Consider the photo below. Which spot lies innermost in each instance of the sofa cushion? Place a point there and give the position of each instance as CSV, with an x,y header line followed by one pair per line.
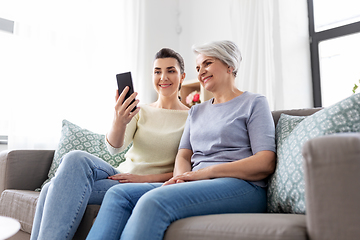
x,y
239,226
74,137
286,192
20,205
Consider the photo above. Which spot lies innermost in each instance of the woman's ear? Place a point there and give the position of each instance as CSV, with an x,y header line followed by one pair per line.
x,y
182,77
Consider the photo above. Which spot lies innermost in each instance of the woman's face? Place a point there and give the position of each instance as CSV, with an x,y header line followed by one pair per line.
x,y
167,76
211,72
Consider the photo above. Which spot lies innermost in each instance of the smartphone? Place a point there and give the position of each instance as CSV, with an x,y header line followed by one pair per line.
x,y
123,80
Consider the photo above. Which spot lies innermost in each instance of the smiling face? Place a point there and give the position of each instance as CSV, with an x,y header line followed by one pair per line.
x,y
213,74
167,76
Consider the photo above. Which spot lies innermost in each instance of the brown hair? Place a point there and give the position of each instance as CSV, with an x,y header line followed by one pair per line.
x,y
169,53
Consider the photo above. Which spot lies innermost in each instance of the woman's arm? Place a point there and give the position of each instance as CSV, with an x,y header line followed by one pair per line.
x,y
183,161
253,168
182,165
134,178
122,117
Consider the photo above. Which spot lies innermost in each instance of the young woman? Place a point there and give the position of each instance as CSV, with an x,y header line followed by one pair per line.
x,y
154,129
226,151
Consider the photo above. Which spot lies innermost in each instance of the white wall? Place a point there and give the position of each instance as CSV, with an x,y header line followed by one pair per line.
x,y
157,29
3,147
208,20
202,21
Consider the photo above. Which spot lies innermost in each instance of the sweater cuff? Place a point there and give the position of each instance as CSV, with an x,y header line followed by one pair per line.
x,y
112,150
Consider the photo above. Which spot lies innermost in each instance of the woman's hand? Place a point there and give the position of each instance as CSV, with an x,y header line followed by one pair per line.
x,y
123,114
129,178
201,174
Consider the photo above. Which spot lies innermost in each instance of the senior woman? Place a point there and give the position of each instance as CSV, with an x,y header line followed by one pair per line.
x,y
226,152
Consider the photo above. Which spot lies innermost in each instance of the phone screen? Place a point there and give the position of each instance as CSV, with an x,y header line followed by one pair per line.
x,y
123,80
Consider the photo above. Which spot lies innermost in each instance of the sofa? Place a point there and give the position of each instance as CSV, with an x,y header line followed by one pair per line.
x,y
331,166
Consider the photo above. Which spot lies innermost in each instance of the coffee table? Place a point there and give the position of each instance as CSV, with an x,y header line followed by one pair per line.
x,y
8,227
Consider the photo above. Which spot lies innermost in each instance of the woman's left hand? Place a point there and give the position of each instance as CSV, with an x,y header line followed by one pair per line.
x,y
201,174
129,178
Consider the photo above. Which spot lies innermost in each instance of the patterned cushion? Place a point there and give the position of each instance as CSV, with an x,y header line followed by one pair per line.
x,y
286,192
74,137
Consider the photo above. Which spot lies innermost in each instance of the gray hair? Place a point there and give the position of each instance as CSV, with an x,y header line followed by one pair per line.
x,y
226,51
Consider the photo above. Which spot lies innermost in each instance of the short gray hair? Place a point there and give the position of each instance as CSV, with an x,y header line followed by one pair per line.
x,y
226,51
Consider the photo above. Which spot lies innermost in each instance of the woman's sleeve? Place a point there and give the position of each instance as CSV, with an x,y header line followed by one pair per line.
x,y
185,138
261,126
129,136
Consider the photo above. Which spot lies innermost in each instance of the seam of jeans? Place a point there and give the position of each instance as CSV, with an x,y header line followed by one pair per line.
x,y
77,211
98,167
127,205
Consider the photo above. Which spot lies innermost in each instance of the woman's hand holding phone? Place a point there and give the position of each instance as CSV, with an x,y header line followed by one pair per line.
x,y
123,107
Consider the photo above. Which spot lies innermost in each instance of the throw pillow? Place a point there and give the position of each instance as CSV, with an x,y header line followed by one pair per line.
x,y
286,192
284,128
74,137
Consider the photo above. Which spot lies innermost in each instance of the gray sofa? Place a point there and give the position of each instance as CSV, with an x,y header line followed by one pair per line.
x,y
331,166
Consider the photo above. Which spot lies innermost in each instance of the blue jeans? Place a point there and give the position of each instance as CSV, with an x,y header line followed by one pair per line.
x,y
81,179
137,211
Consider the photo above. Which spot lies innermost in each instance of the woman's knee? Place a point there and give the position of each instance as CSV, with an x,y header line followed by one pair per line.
x,y
155,200
116,196
75,161
129,193
75,157
154,207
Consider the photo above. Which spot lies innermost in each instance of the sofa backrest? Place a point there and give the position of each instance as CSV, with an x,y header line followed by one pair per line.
x,y
295,112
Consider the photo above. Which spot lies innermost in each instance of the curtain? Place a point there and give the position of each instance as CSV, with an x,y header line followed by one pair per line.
x,y
254,29
61,63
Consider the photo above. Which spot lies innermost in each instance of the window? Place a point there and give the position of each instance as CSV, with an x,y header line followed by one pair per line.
x,y
334,28
55,65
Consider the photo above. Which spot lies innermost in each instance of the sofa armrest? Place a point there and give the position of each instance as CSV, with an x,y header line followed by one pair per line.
x,y
332,167
24,169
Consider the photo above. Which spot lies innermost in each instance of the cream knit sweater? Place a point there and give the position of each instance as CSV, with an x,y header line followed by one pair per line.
x,y
155,134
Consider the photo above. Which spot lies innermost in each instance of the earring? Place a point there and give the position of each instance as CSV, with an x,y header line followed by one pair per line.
x,y
179,94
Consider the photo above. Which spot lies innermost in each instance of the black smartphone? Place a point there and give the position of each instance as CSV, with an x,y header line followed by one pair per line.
x,y
123,80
